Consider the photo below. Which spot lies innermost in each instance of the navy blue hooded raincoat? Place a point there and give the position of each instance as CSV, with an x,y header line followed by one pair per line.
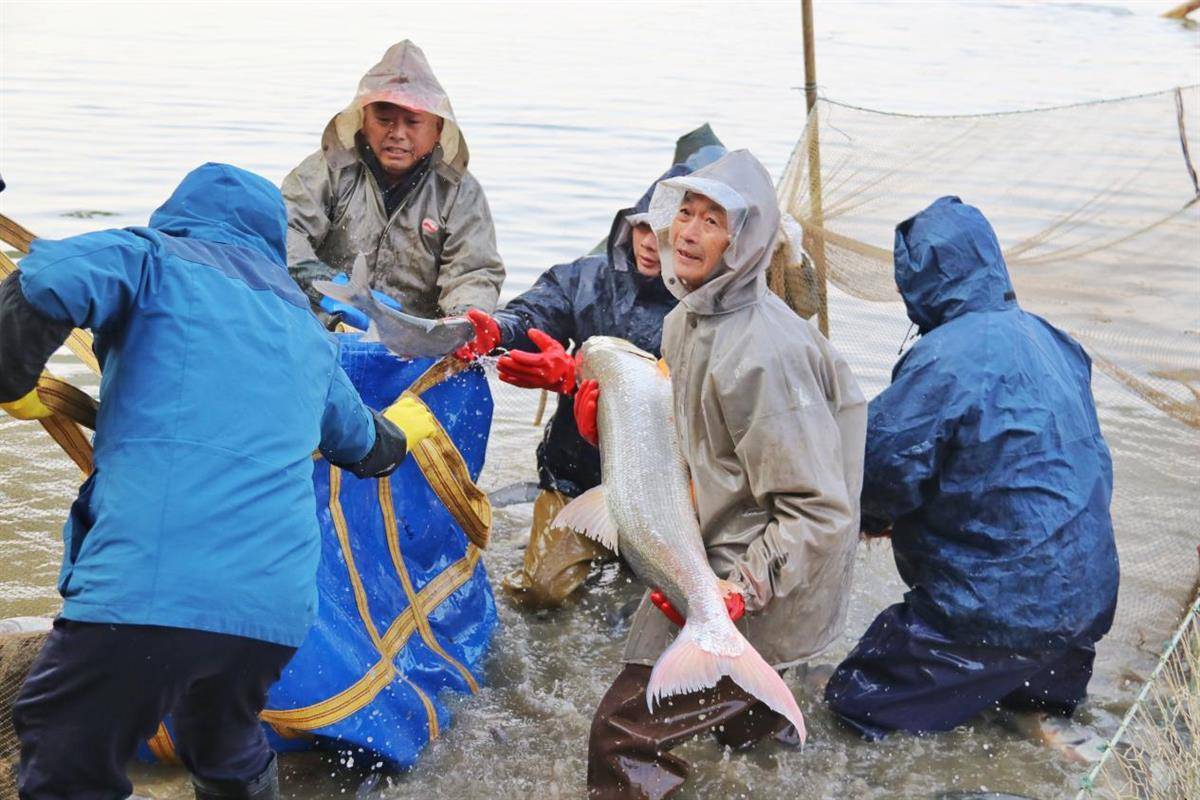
x,y
200,512
985,454
597,295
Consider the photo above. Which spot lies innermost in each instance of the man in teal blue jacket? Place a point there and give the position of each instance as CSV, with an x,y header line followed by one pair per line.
x,y
190,555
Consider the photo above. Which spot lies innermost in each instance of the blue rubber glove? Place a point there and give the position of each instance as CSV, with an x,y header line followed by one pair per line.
x,y
351,315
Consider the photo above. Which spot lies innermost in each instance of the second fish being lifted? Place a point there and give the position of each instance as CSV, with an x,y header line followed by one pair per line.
x,y
403,334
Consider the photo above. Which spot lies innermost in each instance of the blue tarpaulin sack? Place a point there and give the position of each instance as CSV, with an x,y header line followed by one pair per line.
x,y
405,608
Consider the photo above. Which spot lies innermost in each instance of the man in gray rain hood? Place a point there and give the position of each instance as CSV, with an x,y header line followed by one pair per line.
x,y
391,182
772,425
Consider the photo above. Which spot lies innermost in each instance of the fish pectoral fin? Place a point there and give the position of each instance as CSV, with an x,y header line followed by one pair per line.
x,y
588,514
372,334
337,291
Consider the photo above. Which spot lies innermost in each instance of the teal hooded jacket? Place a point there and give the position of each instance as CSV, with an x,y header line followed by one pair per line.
x,y
218,386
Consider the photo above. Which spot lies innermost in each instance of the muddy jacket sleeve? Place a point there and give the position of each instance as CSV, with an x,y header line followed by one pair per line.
x,y
470,272
27,340
308,192
89,281
804,493
907,438
548,305
356,438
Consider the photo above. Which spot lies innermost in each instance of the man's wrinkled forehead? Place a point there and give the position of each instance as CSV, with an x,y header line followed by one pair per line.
x,y
383,108
705,202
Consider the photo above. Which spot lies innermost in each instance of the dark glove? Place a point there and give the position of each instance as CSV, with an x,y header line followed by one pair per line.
x,y
587,400
735,604
487,336
349,314
552,369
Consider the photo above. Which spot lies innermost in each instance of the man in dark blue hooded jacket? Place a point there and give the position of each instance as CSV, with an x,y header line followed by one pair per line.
x,y
190,557
985,460
617,293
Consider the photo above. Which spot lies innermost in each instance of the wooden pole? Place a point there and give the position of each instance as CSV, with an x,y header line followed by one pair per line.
x,y
1180,12
814,234
810,56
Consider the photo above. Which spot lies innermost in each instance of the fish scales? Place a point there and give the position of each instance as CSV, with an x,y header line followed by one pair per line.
x,y
648,494
644,509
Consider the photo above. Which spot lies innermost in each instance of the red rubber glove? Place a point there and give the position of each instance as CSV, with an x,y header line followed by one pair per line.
x,y
735,604
586,403
551,369
487,336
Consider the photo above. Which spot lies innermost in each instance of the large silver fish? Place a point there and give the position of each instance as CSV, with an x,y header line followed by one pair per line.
x,y
405,335
643,510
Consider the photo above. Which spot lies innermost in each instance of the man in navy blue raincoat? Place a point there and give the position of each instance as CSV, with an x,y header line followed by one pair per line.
x,y
616,293
984,458
190,555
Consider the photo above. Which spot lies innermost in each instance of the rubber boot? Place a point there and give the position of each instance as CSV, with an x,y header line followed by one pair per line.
x,y
557,560
264,787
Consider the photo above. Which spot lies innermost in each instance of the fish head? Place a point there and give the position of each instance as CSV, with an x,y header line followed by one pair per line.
x,y
610,355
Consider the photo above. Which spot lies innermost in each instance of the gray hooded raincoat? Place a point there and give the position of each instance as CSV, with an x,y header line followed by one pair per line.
x,y
436,253
772,424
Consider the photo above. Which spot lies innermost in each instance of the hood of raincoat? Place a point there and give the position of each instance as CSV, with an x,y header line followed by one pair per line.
x,y
601,293
402,77
222,203
948,263
621,234
742,186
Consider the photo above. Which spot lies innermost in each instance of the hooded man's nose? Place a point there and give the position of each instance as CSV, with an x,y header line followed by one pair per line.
x,y
691,230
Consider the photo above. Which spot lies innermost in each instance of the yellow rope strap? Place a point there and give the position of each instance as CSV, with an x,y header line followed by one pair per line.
x,y
414,601
444,468
73,410
15,234
389,645
360,592
363,691
162,747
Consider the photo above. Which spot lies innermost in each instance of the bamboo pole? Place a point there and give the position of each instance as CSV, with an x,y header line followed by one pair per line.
x,y
814,235
1180,12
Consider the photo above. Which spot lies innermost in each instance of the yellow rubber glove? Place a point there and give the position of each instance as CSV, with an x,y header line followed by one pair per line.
x,y
28,407
411,416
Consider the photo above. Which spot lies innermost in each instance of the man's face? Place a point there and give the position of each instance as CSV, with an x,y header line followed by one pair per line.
x,y
699,235
645,250
399,136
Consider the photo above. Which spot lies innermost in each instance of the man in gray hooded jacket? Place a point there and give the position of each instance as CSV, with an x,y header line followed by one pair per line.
x,y
772,425
391,182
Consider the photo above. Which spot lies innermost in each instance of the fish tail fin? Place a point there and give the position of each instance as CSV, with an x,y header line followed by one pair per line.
x,y
686,667
357,292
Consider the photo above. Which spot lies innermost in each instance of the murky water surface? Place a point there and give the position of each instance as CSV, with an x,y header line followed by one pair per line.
x,y
569,111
